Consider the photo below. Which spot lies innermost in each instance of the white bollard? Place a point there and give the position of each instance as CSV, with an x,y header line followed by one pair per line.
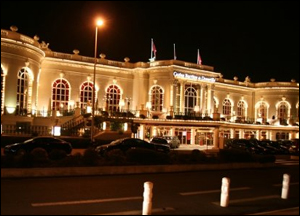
x,y
147,203
285,186
225,192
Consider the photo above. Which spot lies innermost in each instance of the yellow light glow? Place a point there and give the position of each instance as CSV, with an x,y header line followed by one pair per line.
x,y
56,131
10,110
99,22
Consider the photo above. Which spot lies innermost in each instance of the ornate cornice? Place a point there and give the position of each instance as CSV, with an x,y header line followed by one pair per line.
x,y
21,46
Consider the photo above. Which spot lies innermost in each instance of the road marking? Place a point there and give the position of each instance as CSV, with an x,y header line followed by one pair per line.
x,y
249,199
212,191
279,185
139,212
76,202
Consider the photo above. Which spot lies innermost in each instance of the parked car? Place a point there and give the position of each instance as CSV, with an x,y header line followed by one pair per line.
x,y
47,143
131,143
283,149
173,141
294,148
250,146
272,146
159,140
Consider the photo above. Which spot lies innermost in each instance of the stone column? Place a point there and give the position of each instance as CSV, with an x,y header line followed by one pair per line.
x,y
208,100
193,136
216,138
212,99
231,133
201,98
175,105
182,96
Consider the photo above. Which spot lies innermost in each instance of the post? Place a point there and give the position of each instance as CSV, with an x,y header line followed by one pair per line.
x,y
285,186
94,89
225,192
147,203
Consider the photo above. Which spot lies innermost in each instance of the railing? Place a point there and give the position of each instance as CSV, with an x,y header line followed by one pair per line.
x,y
34,130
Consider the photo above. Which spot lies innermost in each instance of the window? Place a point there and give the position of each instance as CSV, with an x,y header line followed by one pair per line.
x,y
86,94
282,111
22,92
156,97
241,109
60,94
190,99
113,95
226,107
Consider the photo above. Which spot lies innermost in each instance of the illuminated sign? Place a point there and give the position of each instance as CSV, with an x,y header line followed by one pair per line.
x,y
193,77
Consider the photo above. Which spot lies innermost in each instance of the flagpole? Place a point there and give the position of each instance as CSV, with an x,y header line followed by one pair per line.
x,y
151,48
175,57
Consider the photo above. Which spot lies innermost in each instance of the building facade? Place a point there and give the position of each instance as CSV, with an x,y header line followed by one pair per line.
x,y
41,88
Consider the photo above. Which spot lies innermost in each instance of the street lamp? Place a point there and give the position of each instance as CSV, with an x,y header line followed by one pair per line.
x,y
99,23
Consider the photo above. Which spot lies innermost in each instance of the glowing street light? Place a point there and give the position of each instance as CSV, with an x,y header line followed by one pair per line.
x,y
99,23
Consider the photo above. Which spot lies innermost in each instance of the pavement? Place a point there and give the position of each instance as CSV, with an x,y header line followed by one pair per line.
x,y
288,211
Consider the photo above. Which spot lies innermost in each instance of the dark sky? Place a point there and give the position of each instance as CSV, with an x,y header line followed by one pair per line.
x,y
259,39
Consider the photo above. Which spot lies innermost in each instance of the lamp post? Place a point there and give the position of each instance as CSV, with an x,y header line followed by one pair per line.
x,y
98,23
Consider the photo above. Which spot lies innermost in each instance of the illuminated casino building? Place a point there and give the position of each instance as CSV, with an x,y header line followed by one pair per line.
x,y
42,89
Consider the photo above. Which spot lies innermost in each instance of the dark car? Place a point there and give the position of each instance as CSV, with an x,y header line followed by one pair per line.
x,y
250,146
131,143
159,140
49,144
294,148
172,141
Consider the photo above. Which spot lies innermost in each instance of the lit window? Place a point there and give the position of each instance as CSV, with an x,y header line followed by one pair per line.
x,y
226,107
190,99
157,97
60,94
113,95
86,94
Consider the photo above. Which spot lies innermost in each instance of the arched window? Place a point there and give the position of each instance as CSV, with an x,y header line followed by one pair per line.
x,y
226,107
113,96
241,109
2,90
262,111
60,94
190,99
22,92
86,94
282,111
157,98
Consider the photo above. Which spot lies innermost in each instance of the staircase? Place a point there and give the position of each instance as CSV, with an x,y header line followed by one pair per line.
x,y
71,127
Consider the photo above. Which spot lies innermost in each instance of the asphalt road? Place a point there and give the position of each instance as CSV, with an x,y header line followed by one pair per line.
x,y
251,191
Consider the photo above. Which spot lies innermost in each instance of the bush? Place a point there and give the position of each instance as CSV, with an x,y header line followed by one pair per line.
x,y
198,156
142,116
155,117
57,154
146,157
115,157
90,157
169,117
70,161
233,155
39,156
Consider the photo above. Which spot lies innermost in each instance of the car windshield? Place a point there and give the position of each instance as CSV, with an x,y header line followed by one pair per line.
x,y
27,141
116,142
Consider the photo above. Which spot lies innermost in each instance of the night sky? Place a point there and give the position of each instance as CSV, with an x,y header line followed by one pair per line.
x,y
259,39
